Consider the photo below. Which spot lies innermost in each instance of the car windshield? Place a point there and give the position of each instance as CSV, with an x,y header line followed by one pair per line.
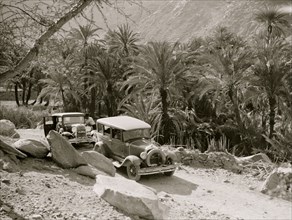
x,y
74,120
136,134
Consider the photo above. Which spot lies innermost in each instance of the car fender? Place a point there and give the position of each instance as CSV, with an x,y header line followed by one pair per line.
x,y
131,159
97,145
170,154
102,148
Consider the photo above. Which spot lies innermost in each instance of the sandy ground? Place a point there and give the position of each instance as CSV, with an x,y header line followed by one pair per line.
x,y
41,190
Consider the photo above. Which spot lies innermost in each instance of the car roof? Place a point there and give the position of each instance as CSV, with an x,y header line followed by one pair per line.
x,y
60,114
125,123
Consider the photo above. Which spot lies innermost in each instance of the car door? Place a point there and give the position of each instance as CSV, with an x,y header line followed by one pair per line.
x,y
49,124
117,146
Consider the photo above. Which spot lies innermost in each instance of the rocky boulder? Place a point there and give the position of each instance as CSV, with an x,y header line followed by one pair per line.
x,y
63,153
88,171
32,147
8,162
99,161
254,158
279,183
130,196
11,150
7,128
222,160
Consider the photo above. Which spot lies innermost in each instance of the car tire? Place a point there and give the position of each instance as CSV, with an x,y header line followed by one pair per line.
x,y
132,172
169,161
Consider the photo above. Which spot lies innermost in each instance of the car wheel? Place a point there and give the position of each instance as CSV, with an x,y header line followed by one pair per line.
x,y
169,161
132,171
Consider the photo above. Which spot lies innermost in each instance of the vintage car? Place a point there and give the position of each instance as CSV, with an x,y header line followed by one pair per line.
x,y
127,141
70,125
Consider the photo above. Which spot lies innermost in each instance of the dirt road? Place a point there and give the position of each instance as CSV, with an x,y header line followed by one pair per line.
x,y
213,194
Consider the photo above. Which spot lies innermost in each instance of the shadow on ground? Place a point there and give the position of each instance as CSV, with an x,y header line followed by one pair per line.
x,y
162,183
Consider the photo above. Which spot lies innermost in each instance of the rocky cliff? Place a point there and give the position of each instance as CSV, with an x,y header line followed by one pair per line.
x,y
173,20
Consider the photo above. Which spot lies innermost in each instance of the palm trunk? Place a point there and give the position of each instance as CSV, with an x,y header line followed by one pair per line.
x,y
63,99
23,92
165,123
28,93
110,102
92,101
272,103
233,98
16,94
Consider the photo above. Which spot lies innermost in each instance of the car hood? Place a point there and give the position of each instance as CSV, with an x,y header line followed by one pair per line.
x,y
143,144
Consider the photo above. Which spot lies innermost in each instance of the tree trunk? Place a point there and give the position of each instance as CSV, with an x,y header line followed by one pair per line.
x,y
29,86
64,100
28,93
16,94
23,92
165,120
272,103
233,97
79,7
92,101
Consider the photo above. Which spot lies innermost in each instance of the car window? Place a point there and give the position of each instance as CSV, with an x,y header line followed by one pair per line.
x,y
107,131
117,134
100,128
49,120
136,134
74,120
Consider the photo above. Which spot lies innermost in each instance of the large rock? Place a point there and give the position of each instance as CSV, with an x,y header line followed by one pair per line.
x,y
63,153
279,182
7,128
254,158
99,161
88,171
130,196
32,147
8,162
11,150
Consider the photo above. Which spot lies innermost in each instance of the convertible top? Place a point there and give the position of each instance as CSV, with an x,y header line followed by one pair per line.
x,y
125,123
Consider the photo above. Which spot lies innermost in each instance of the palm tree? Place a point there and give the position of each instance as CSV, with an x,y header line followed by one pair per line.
x,y
273,59
105,76
158,70
144,108
55,86
273,21
273,65
226,69
123,42
63,83
84,34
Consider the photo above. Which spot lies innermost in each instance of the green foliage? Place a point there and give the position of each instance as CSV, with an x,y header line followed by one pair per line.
x,y
22,117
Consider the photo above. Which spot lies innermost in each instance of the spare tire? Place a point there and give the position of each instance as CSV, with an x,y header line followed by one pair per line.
x,y
155,156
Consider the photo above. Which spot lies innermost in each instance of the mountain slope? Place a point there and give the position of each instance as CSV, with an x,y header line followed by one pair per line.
x,y
174,20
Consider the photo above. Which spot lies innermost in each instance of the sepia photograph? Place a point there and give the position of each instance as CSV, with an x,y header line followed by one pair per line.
x,y
145,109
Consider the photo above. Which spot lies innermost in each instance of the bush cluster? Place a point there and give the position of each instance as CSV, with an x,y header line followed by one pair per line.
x,y
22,117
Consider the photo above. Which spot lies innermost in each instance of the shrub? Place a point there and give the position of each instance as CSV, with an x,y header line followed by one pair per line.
x,y
22,117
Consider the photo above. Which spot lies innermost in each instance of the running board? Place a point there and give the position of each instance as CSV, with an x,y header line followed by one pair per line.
x,y
117,164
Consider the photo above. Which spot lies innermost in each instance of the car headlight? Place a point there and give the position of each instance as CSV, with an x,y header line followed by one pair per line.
x,y
74,130
143,155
